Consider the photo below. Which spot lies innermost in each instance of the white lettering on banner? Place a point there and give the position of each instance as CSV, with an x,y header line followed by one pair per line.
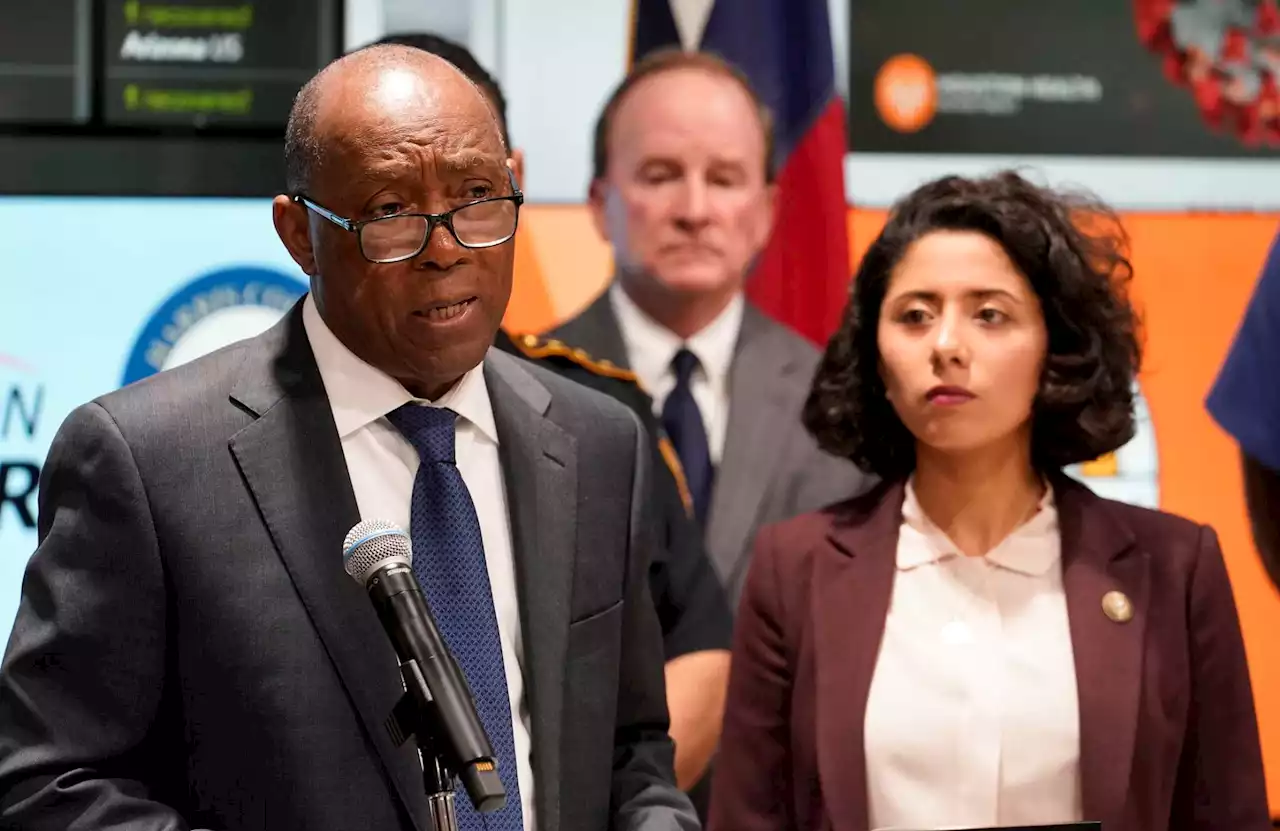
x,y
20,409
218,302
150,46
1000,93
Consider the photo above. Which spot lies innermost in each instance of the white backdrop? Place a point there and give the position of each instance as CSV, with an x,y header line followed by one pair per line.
x,y
153,282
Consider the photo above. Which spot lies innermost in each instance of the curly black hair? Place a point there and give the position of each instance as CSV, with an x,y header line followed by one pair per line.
x,y
1073,252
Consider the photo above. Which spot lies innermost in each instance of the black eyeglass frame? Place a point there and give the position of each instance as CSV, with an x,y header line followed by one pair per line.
x,y
446,219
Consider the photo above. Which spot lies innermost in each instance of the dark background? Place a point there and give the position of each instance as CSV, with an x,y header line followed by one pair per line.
x,y
1141,112
38,62
282,50
64,129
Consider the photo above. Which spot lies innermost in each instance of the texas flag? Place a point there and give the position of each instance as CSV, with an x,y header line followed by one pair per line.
x,y
784,48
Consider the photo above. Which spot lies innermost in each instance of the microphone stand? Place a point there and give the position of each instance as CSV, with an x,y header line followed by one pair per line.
x,y
416,715
438,782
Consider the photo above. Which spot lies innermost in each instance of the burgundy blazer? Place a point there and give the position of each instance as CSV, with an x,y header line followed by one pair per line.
x,y
1168,735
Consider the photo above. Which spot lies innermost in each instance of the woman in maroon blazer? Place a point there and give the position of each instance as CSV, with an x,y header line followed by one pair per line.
x,y
981,641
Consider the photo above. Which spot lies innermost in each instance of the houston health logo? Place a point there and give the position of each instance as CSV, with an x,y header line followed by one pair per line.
x,y
212,311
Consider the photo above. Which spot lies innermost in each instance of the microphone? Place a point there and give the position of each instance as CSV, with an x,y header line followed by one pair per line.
x,y
438,706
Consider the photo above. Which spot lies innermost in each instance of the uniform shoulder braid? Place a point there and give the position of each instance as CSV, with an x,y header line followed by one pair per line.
x,y
536,348
568,358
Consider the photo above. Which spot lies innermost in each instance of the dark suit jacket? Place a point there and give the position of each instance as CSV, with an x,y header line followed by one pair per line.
x,y
772,469
1168,737
189,652
693,609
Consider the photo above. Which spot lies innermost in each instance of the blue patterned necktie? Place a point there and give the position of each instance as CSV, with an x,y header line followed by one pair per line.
x,y
682,421
448,560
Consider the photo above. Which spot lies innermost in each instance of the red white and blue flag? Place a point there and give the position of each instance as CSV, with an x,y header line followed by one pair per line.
x,y
784,48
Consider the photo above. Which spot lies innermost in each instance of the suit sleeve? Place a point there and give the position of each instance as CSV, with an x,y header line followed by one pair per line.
x,y
692,607
752,788
1220,784
644,795
81,678
1245,400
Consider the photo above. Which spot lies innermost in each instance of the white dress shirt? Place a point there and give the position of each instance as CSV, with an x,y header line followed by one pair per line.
x,y
651,347
382,465
973,719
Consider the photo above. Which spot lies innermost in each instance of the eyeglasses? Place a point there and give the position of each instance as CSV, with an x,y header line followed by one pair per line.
x,y
392,239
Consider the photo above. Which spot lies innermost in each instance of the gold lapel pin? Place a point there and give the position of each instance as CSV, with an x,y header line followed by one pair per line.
x,y
1117,606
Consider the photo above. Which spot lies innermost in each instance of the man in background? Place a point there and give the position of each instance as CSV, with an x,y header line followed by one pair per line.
x,y
683,189
691,603
1245,401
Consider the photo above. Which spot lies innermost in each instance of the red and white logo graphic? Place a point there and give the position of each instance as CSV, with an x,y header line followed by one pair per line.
x,y
1226,53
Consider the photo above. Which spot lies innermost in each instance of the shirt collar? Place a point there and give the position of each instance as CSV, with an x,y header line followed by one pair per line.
x,y
360,394
651,346
1032,548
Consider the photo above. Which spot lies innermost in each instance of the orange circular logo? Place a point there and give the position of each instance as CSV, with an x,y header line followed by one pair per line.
x,y
906,93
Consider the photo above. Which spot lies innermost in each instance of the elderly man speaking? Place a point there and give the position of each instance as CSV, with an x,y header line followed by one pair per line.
x,y
188,652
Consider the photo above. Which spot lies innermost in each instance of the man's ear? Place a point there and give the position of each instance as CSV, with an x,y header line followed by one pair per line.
x,y
597,202
292,223
516,163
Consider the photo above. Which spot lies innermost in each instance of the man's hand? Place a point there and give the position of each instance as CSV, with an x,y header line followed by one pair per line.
x,y
696,687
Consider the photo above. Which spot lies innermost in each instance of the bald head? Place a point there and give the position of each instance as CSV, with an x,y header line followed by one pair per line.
x,y
375,92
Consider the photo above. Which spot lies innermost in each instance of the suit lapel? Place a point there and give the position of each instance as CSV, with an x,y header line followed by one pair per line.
x,y
292,462
539,461
1097,558
758,415
851,591
852,585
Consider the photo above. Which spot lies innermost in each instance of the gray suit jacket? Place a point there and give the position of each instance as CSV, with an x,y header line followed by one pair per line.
x,y
772,469
189,652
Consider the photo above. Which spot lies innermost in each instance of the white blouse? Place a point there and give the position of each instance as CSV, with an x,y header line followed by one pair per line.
x,y
973,720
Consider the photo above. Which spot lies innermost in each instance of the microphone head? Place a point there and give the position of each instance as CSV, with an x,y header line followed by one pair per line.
x,y
372,544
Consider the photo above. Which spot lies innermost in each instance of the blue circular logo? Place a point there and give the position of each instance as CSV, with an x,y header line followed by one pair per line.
x,y
210,312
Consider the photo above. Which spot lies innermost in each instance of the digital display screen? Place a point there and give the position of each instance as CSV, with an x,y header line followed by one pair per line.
x,y
201,63
45,62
